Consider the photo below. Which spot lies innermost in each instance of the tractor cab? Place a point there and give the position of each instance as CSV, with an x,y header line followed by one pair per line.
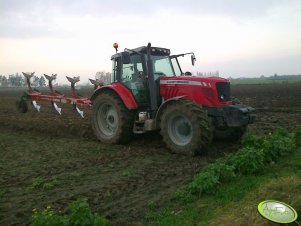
x,y
140,70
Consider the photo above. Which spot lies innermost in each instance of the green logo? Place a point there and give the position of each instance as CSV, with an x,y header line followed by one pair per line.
x,y
278,212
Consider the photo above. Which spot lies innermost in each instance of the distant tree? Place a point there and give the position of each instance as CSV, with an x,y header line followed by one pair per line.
x,y
35,81
3,81
16,80
103,76
99,74
42,81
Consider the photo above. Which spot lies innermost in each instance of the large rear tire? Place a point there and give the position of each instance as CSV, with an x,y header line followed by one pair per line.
x,y
112,122
185,128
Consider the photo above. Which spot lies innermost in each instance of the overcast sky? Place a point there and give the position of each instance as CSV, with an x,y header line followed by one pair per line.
x,y
239,38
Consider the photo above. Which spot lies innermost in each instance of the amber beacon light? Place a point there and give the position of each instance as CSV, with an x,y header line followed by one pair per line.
x,y
115,45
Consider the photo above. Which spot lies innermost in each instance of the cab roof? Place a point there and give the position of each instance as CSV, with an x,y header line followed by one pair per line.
x,y
157,51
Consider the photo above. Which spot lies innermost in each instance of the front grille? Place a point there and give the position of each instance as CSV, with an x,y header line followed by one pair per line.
x,y
223,91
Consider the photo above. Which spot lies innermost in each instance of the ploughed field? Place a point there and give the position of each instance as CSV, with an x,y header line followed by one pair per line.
x,y
122,182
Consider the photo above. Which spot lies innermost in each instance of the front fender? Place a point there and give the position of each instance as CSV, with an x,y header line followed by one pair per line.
x,y
121,91
163,105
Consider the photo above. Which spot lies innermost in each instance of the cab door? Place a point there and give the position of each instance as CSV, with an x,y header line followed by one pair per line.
x,y
133,76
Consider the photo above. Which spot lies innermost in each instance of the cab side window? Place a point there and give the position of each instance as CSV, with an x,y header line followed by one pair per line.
x,y
131,71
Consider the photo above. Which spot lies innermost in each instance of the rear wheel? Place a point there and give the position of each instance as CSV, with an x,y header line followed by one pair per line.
x,y
112,122
185,128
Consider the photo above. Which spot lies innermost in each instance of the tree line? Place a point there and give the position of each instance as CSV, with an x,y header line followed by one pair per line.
x,y
18,80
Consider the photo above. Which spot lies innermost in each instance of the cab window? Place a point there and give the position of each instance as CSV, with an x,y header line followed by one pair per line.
x,y
162,66
133,77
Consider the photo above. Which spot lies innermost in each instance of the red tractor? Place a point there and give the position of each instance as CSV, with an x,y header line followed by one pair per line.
x,y
149,91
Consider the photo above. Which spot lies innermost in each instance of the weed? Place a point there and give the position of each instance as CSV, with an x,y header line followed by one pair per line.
x,y
47,217
2,192
247,161
252,140
50,185
40,183
79,214
151,204
184,196
37,182
211,176
126,173
99,149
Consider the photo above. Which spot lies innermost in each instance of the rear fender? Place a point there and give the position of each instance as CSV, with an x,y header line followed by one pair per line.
x,y
164,105
121,91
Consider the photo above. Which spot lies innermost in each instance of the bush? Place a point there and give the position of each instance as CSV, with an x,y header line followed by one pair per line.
x,y
247,160
81,215
211,176
280,143
251,159
252,140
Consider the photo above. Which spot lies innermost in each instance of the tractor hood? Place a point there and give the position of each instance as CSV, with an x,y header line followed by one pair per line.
x,y
192,80
206,91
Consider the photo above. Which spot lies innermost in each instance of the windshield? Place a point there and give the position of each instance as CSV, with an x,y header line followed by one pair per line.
x,y
163,66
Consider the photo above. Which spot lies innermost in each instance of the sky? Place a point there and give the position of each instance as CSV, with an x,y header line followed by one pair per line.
x,y
238,38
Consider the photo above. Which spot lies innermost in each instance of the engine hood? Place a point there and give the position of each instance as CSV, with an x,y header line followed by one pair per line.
x,y
205,91
174,80
194,78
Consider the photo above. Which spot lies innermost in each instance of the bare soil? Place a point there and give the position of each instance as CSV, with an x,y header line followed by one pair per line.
x,y
122,182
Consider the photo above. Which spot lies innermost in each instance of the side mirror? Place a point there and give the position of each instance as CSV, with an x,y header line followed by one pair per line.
x,y
126,57
192,59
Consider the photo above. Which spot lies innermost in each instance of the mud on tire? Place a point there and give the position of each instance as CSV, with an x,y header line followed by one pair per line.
x,y
112,122
185,128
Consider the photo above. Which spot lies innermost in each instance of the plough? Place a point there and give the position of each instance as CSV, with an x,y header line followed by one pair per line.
x,y
33,95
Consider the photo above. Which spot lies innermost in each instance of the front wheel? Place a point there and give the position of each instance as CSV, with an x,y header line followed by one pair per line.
x,y
185,128
112,122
